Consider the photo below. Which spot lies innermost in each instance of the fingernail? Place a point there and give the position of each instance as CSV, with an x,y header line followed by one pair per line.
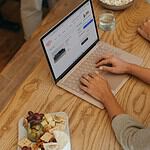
x,y
101,68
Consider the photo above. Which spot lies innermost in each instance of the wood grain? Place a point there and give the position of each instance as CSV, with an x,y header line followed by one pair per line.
x,y
27,84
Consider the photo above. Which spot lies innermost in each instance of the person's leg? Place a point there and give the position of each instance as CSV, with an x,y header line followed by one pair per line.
x,y
144,30
31,15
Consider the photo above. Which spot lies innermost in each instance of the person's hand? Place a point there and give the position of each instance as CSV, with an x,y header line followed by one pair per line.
x,y
144,29
95,85
110,63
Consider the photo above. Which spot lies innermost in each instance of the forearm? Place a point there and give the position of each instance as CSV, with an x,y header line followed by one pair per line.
x,y
130,133
112,107
139,72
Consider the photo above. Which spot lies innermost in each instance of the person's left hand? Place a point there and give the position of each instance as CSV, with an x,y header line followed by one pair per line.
x,y
95,85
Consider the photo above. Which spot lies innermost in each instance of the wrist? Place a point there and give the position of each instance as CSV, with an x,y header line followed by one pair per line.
x,y
129,68
113,108
108,98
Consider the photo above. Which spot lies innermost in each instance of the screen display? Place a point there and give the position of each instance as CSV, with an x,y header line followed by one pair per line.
x,y
68,41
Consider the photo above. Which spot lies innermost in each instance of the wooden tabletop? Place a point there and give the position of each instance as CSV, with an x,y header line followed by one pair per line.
x,y
26,83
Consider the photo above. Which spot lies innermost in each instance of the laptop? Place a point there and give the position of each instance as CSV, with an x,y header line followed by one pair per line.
x,y
72,47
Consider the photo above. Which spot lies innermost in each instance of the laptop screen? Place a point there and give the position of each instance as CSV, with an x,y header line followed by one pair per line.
x,y
70,39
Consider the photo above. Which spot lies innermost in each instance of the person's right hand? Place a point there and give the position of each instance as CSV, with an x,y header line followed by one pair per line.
x,y
118,66
97,86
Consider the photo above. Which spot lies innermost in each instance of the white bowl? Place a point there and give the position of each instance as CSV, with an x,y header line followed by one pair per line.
x,y
113,7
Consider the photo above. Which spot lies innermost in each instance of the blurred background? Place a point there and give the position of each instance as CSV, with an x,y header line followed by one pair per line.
x,y
11,31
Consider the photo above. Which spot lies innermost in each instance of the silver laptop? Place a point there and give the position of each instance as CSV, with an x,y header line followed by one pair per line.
x,y
72,48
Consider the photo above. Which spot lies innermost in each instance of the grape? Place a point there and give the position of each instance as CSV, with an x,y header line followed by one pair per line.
x,y
34,122
29,118
42,115
34,118
38,116
30,113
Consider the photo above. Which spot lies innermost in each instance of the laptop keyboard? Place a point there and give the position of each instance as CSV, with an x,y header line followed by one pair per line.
x,y
87,66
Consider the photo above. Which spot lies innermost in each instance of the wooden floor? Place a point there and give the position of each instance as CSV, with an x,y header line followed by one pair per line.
x,y
10,42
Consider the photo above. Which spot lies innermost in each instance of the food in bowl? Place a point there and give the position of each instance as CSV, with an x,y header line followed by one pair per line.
x,y
116,2
40,131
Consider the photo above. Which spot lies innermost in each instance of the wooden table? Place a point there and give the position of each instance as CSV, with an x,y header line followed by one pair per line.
x,y
26,84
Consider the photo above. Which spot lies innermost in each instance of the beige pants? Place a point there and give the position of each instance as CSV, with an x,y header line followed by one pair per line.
x,y
31,15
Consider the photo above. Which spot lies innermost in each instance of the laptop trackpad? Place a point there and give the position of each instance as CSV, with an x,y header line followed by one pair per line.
x,y
115,81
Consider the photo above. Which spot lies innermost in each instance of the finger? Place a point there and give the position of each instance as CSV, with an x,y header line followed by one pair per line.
x,y
145,20
97,73
142,33
145,23
87,77
108,69
93,75
103,57
103,62
84,82
84,88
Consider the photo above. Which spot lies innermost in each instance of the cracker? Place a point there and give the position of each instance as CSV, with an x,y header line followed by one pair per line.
x,y
58,119
44,123
60,126
25,142
47,137
52,123
48,117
